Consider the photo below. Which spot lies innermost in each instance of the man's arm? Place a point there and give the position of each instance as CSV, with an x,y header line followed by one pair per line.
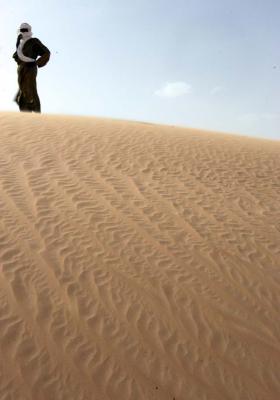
x,y
44,54
16,58
15,55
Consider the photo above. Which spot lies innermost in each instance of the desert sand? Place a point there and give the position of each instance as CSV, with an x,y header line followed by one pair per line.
x,y
138,261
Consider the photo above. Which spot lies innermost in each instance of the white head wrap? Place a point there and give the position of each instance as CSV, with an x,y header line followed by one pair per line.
x,y
25,37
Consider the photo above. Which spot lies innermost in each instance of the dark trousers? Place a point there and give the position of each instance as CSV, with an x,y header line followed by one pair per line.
x,y
27,97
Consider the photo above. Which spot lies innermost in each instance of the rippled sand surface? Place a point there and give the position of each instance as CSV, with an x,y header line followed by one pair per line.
x,y
137,261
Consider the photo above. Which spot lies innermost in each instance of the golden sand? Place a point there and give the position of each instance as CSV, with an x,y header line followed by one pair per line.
x,y
137,261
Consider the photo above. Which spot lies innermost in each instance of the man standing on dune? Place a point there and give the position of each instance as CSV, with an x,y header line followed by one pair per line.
x,y
26,56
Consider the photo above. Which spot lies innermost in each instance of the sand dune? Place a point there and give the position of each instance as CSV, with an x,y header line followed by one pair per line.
x,y
137,262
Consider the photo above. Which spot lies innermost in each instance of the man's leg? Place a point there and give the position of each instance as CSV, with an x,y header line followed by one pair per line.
x,y
19,99
33,98
29,99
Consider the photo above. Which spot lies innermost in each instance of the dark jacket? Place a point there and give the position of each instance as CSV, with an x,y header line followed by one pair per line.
x,y
33,48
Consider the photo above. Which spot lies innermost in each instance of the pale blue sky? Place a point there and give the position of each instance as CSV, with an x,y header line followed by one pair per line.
x,y
212,65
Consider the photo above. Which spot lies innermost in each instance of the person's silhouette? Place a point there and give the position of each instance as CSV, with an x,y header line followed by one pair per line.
x,y
28,49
